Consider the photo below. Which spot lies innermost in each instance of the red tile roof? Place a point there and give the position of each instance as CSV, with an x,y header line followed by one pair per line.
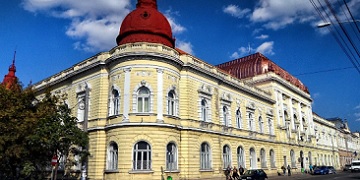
x,y
256,64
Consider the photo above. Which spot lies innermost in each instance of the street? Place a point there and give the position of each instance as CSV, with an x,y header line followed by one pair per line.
x,y
338,176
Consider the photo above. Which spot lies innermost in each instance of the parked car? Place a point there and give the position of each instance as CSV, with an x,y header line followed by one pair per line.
x,y
355,165
347,167
331,170
254,174
321,170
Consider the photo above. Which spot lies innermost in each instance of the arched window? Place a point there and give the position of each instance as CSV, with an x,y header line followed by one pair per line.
x,y
261,129
240,156
205,156
112,156
226,156
293,159
252,159
263,158
204,110
310,158
171,103
225,116
272,159
143,99
171,156
238,119
114,102
142,156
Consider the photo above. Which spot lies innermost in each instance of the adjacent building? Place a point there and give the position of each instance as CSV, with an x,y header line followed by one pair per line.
x,y
152,110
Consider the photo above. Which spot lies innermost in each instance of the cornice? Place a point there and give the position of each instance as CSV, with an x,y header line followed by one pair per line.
x,y
227,82
284,83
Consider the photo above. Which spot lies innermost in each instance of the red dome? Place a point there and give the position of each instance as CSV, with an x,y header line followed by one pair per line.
x,y
146,24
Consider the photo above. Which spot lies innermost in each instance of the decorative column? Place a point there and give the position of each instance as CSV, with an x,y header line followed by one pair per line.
x,y
291,113
300,117
160,84
126,95
278,104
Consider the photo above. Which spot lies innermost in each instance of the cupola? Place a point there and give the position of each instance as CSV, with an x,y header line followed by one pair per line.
x,y
10,78
146,24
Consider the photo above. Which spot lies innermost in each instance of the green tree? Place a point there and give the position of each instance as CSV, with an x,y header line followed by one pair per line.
x,y
34,130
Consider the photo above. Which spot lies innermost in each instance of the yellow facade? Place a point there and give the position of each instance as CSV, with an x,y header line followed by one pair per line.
x,y
204,115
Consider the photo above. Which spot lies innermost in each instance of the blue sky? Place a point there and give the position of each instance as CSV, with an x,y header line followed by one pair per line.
x,y
52,35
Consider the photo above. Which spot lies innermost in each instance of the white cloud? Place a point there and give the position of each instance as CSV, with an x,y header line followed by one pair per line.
x,y
175,26
235,11
262,36
357,114
235,55
94,23
357,107
266,48
185,46
277,14
315,95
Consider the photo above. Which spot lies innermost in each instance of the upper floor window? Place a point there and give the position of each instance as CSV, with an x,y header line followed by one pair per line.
x,y
81,106
171,156
171,103
270,123
251,122
143,99
114,103
261,128
204,110
112,157
238,119
142,156
225,116
205,156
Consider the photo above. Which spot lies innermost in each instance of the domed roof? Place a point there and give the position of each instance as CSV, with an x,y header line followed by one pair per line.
x,y
146,24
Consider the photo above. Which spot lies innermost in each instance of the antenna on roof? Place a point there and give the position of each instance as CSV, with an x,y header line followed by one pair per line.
x,y
14,57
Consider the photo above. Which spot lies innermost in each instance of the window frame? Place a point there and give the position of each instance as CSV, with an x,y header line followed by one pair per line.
x,y
171,103
112,156
226,154
144,152
144,99
238,119
205,156
170,166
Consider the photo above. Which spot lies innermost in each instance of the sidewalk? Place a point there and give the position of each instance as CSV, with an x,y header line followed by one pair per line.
x,y
296,175
293,176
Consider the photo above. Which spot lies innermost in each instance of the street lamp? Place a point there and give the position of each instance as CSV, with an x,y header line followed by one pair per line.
x,y
324,24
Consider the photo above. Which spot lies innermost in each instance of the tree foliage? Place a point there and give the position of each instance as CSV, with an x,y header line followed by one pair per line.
x,y
33,130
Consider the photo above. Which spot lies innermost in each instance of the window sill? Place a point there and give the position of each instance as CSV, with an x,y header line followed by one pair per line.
x,y
206,170
143,114
114,116
141,171
172,171
171,116
108,171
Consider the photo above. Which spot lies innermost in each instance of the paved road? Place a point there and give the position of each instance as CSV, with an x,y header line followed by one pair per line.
x,y
339,176
299,176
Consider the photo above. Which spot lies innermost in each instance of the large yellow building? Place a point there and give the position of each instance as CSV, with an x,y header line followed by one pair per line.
x,y
153,111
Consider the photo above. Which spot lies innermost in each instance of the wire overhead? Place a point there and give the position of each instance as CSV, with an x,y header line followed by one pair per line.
x,y
342,25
